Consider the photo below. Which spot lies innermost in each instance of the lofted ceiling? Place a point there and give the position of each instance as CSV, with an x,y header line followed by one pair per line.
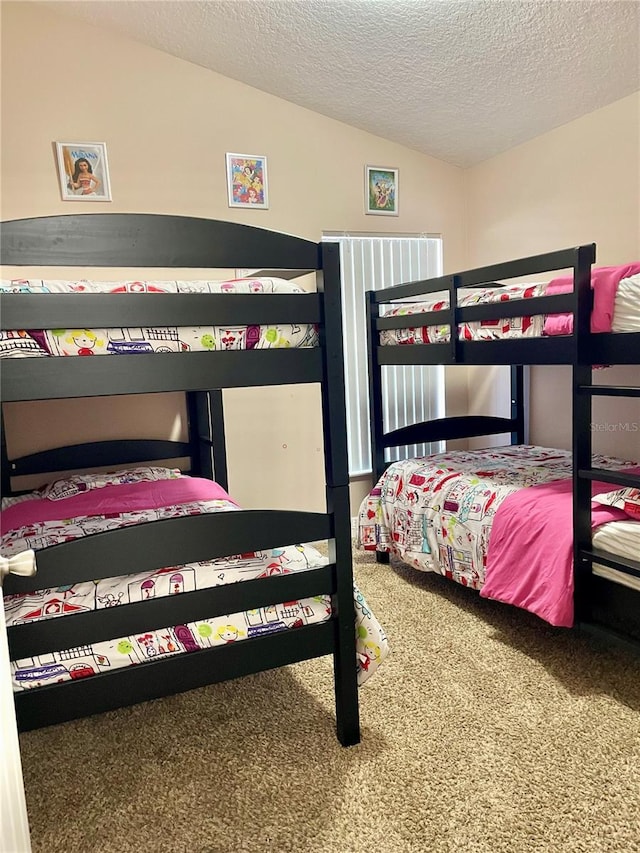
x,y
461,80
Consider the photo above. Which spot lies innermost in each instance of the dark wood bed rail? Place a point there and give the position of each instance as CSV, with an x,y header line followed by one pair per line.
x,y
603,348
113,310
170,542
145,681
556,303
150,240
97,454
106,375
441,429
566,349
95,626
486,276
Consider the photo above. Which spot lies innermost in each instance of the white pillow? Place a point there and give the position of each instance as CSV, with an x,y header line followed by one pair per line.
x,y
626,499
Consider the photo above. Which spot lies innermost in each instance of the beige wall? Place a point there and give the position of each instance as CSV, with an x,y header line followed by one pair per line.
x,y
167,125
577,184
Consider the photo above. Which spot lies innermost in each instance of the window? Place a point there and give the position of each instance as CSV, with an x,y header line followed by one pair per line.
x,y
410,394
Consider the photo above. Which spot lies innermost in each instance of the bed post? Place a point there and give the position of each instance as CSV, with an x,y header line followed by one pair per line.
x,y
208,450
337,480
517,403
5,474
217,436
376,423
376,419
581,438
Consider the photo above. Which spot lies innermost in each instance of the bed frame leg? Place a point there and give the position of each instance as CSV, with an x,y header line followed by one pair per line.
x,y
382,557
344,656
346,689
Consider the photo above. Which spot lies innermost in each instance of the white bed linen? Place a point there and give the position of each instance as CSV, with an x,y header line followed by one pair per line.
x,y
620,539
626,313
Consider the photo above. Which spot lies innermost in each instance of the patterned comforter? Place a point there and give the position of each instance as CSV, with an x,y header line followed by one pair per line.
x,y
511,327
129,341
147,495
436,512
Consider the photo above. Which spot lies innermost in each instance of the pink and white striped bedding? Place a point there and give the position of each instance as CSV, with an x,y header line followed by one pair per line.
x,y
616,296
438,513
50,517
127,341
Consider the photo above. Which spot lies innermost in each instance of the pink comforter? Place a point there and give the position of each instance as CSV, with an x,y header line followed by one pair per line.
x,y
530,564
113,500
604,283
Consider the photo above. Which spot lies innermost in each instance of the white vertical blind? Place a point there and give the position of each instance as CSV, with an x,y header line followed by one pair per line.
x,y
409,394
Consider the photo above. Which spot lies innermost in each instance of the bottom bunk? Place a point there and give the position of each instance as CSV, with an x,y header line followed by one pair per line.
x,y
499,521
95,642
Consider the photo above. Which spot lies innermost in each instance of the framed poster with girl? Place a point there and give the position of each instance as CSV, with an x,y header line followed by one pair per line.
x,y
83,171
247,180
381,190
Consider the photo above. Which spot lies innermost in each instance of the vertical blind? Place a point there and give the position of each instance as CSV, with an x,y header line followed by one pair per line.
x,y
410,394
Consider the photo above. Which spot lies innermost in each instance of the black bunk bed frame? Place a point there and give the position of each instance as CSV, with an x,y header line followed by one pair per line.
x,y
602,607
147,240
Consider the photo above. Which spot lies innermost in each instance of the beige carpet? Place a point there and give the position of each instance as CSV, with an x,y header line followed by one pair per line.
x,y
484,732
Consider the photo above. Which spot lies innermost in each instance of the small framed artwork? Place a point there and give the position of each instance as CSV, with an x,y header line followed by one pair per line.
x,y
247,180
381,190
83,171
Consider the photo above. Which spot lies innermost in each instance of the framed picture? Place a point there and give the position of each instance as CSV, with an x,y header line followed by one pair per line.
x,y
83,171
381,191
247,180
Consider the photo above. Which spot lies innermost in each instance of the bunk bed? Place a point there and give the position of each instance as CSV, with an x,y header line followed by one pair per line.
x,y
467,514
169,523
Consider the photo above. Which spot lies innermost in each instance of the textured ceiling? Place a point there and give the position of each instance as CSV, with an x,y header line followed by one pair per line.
x,y
461,80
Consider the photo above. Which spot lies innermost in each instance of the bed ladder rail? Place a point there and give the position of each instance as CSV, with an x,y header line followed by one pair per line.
x,y
609,390
621,564
618,478
583,473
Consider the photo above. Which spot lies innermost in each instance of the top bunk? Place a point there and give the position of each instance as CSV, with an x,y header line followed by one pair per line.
x,y
567,320
260,353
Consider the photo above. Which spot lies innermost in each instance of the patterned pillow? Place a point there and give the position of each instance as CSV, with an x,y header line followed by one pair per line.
x,y
69,487
626,499
19,345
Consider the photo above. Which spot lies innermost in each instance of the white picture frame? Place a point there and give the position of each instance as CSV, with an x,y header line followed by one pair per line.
x,y
247,181
381,190
83,171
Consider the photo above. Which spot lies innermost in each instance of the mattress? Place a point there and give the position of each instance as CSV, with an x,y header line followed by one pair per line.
x,y
20,343
626,315
620,539
437,513
86,504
